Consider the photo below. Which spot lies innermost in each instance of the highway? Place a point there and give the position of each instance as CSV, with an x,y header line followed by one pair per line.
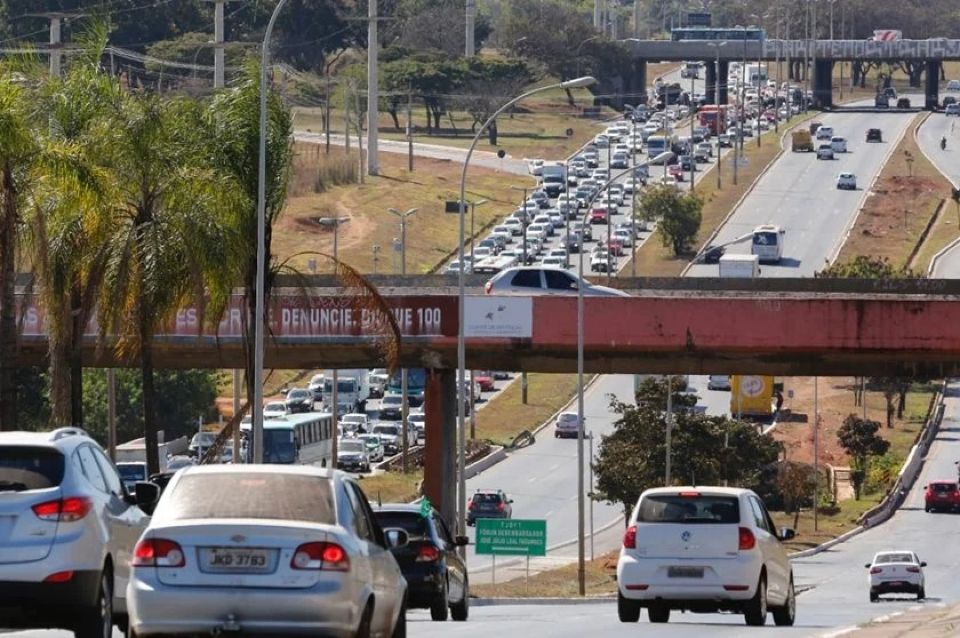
x,y
799,194
947,161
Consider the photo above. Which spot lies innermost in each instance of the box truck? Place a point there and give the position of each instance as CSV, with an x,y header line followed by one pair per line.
x,y
751,395
740,266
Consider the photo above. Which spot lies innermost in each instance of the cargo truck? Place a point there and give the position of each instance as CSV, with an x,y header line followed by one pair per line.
x,y
740,266
131,457
801,141
751,395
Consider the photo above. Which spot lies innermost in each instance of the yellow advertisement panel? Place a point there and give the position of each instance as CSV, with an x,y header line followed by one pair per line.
x,y
751,395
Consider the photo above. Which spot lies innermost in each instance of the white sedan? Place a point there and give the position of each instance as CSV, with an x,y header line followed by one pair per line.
x,y
847,181
898,572
274,410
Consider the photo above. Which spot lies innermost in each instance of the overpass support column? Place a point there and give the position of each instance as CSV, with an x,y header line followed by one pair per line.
x,y
440,455
638,83
710,77
932,93
723,73
823,84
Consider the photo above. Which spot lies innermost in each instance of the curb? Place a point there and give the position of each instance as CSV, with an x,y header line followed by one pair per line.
x,y
498,454
949,247
863,199
553,417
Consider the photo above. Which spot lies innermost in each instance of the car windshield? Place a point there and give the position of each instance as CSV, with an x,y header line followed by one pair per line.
x,y
944,487
386,429
370,441
256,495
568,417
354,418
354,446
893,557
693,509
485,498
29,468
392,400
204,438
298,394
275,407
132,471
765,239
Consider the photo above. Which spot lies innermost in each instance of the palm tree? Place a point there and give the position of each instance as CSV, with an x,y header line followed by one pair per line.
x,y
19,154
67,227
169,244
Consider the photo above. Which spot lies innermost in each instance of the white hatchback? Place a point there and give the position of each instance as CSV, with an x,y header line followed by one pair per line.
x,y
899,572
705,550
847,181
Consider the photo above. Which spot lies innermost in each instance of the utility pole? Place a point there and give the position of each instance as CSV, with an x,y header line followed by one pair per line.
x,y
56,37
112,413
666,473
326,108
816,452
404,402
636,18
597,14
218,39
693,154
409,131
469,49
373,92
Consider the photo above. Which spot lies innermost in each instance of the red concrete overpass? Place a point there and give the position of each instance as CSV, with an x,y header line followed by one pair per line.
x,y
783,327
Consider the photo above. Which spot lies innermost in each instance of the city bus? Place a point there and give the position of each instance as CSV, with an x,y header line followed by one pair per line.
x,y
714,117
288,438
416,384
683,34
767,243
659,143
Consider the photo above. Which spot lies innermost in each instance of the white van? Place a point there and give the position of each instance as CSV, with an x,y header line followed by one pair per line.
x,y
767,243
838,144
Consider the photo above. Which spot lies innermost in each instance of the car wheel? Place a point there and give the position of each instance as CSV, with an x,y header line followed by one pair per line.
x,y
438,608
97,622
459,611
364,629
784,616
400,628
659,613
755,611
921,594
873,596
627,610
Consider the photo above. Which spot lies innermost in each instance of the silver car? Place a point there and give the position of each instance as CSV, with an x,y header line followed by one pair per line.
x,y
545,281
266,549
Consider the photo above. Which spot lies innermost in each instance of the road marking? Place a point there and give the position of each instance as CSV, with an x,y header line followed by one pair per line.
x,y
531,479
548,514
555,467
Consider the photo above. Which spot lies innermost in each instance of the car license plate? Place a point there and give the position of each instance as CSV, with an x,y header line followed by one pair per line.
x,y
224,559
685,572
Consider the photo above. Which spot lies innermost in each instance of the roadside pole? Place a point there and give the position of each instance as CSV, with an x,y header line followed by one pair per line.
x,y
693,156
816,454
667,477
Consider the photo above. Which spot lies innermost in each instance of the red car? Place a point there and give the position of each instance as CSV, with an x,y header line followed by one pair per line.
x,y
941,495
677,171
616,247
598,215
484,380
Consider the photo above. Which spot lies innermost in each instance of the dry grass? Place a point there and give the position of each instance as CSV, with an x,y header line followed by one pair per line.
x,y
391,487
558,583
506,416
828,525
902,203
656,260
431,233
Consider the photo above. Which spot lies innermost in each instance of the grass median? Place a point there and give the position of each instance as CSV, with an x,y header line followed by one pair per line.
x,y
506,415
392,487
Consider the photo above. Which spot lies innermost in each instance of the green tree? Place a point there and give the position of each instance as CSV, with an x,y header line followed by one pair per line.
x,y
679,215
796,482
860,440
185,394
705,451
171,238
867,267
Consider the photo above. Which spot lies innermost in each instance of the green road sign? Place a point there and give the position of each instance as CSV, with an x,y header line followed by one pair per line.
x,y
511,537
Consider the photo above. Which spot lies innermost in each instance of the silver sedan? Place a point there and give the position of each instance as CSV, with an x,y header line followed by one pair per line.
x,y
266,549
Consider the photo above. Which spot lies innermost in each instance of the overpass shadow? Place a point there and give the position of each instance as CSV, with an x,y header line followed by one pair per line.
x,y
786,262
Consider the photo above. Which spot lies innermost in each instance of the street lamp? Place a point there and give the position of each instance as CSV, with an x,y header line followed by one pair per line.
x,y
257,425
716,101
577,83
404,402
581,560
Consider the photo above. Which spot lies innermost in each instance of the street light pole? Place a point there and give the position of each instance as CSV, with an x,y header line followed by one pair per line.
x,y
716,103
404,401
581,560
259,304
461,284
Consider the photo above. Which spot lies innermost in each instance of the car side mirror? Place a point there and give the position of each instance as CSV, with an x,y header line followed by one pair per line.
x,y
786,533
510,500
396,537
867,565
923,564
463,541
146,495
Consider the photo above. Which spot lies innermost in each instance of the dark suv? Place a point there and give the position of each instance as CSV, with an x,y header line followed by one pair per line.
x,y
436,575
874,135
489,504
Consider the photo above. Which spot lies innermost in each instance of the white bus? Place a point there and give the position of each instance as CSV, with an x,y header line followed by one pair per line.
x,y
657,144
767,243
293,438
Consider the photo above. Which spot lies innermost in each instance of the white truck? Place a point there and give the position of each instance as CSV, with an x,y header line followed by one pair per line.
x,y
131,457
353,390
739,266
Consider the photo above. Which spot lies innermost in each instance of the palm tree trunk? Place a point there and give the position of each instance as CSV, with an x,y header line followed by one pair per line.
x,y
150,438
76,356
8,317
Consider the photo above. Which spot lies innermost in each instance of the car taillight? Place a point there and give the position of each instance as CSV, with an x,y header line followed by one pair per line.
x,y
747,539
470,506
913,570
501,507
157,552
64,510
59,577
630,537
427,554
488,288
325,556
876,570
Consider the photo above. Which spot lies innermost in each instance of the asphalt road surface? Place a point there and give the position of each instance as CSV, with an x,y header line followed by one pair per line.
x,y
799,194
947,161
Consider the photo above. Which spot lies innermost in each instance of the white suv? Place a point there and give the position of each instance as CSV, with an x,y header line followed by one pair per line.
x,y
704,549
69,530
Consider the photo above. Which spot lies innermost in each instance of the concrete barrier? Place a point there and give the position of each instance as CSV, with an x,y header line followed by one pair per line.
x,y
496,455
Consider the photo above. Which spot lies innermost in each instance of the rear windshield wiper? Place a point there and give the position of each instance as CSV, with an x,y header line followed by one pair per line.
x,y
12,486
